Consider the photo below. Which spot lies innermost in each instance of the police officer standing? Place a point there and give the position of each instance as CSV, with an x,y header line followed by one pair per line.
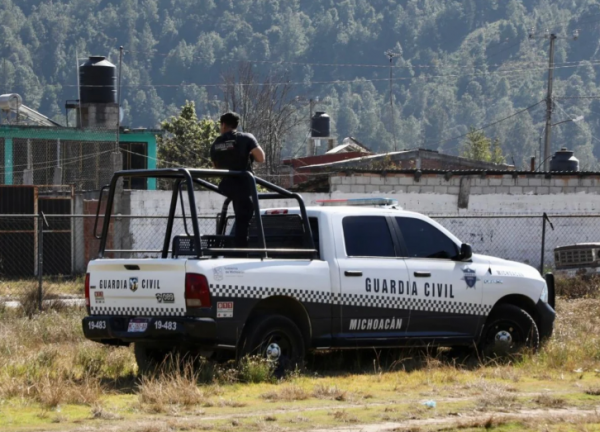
x,y
236,151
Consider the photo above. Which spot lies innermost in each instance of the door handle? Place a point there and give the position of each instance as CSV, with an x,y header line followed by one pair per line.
x,y
422,274
352,273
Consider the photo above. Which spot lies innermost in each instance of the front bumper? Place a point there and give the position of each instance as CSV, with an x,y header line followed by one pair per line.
x,y
545,319
113,330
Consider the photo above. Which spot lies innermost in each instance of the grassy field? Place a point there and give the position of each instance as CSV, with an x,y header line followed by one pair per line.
x,y
51,378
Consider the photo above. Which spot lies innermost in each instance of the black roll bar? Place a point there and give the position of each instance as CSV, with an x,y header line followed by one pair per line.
x,y
191,176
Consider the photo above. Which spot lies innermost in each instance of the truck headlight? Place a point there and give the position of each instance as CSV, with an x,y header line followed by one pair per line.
x,y
544,295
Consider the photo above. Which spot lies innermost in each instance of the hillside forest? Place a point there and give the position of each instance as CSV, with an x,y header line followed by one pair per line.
x,y
457,65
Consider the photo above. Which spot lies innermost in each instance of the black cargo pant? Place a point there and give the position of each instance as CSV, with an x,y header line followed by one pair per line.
x,y
238,191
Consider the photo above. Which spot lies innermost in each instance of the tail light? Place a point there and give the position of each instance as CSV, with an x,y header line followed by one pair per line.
x,y
87,292
197,293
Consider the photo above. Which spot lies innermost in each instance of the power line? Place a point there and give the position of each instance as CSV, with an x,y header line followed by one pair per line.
x,y
486,126
353,65
502,73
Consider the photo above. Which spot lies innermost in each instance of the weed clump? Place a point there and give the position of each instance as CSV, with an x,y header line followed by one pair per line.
x,y
288,393
255,370
580,286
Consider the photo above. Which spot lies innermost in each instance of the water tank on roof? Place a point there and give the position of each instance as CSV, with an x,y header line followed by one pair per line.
x,y
564,160
98,81
320,125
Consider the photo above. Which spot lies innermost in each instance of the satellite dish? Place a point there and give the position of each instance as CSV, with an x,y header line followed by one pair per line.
x,y
121,114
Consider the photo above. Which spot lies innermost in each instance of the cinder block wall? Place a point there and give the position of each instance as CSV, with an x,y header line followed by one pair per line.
x,y
507,184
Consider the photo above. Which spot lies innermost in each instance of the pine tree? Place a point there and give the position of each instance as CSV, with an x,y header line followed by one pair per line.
x,y
477,146
188,140
496,152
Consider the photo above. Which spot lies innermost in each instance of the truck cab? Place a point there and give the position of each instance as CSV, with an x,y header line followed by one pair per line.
x,y
314,278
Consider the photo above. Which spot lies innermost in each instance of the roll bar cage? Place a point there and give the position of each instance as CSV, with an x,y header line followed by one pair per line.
x,y
190,177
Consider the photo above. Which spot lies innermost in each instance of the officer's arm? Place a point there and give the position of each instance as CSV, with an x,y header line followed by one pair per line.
x,y
258,154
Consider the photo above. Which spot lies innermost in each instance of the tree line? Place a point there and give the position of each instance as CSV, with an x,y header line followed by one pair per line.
x,y
459,64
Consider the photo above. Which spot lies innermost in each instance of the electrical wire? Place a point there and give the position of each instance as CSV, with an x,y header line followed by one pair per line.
x,y
509,73
437,144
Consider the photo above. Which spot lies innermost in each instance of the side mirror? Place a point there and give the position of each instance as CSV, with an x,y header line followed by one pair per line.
x,y
465,252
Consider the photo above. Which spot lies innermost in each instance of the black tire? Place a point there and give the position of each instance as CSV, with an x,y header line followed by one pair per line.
x,y
266,332
508,331
148,358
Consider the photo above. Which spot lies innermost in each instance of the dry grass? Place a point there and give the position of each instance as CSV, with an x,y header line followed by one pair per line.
x,y
287,393
45,359
180,387
344,416
57,287
592,391
482,423
549,401
582,286
100,413
329,392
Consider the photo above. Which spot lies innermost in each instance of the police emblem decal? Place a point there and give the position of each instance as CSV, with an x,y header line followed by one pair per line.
x,y
133,284
218,273
470,277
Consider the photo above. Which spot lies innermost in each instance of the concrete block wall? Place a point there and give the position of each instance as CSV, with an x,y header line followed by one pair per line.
x,y
510,238
521,184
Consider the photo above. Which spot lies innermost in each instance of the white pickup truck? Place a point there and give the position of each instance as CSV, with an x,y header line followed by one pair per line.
x,y
319,278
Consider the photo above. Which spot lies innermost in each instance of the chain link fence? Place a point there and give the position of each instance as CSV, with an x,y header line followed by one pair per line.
x,y
508,237
52,251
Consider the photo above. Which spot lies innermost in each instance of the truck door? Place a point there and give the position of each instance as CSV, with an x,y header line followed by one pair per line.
x,y
374,281
447,294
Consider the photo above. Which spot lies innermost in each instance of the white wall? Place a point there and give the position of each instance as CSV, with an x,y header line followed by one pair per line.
x,y
512,238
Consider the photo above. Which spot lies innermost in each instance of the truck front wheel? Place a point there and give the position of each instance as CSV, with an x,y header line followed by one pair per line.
x,y
508,330
277,339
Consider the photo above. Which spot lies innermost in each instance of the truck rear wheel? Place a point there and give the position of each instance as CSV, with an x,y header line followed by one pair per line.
x,y
277,339
148,358
509,330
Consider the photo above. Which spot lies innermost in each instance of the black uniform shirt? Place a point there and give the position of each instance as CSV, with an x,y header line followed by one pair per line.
x,y
231,151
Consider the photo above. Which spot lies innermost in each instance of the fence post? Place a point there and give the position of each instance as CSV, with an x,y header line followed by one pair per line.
x,y
544,217
40,269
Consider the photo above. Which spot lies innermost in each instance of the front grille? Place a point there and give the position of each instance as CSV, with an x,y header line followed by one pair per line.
x,y
575,257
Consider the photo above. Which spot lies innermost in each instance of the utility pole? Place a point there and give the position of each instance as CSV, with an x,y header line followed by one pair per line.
x,y
549,104
391,55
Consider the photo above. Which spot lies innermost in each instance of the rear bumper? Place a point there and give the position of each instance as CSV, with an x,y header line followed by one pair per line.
x,y
545,319
169,331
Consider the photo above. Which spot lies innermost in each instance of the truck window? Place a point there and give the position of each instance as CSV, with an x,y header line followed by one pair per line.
x,y
423,240
283,232
368,236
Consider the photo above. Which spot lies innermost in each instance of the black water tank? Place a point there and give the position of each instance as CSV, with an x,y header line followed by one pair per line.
x,y
98,81
320,125
564,160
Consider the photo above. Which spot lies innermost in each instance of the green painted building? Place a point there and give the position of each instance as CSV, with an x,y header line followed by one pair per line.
x,y
84,157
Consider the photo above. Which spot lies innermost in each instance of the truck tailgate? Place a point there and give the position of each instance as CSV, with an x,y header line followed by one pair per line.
x,y
143,287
